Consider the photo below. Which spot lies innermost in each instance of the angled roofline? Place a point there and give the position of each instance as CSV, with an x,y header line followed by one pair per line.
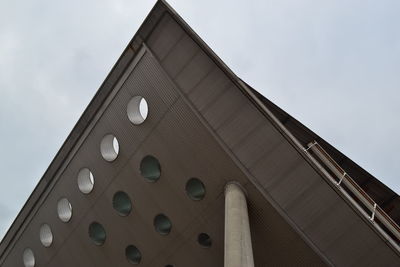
x,y
94,105
384,196
270,111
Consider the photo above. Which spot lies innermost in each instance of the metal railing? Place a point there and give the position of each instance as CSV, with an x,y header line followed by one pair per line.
x,y
343,178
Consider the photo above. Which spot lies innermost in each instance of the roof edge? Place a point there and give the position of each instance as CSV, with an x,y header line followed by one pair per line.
x,y
128,54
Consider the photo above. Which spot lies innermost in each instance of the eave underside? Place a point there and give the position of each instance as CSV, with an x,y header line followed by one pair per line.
x,y
380,193
385,197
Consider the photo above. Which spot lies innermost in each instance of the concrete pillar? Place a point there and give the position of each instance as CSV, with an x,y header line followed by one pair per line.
x,y
238,249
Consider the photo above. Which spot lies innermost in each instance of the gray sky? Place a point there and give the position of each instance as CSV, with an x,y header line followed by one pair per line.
x,y
339,58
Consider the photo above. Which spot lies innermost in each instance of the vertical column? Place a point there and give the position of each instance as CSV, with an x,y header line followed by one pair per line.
x,y
238,250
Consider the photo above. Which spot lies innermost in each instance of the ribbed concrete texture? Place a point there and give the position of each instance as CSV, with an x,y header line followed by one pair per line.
x,y
238,249
203,123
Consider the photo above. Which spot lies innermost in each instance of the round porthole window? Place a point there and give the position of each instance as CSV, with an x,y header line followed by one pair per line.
x,y
204,240
46,235
150,168
97,233
109,147
28,258
195,189
133,254
64,210
137,110
162,224
85,181
122,203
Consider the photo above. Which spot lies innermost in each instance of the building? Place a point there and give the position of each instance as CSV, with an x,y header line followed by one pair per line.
x,y
210,172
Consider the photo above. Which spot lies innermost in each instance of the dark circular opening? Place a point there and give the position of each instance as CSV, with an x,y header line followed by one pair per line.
x,y
195,189
150,168
162,224
204,240
133,254
169,265
97,233
122,203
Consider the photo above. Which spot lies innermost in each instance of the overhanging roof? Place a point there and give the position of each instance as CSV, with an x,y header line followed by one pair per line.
x,y
379,192
385,197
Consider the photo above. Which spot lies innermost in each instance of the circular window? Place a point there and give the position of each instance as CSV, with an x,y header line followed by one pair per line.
x,y
46,236
109,147
150,168
204,240
137,110
133,254
28,257
195,189
85,181
162,224
64,210
122,203
97,233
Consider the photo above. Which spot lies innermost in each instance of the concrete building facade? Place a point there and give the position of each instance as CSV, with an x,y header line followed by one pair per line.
x,y
178,162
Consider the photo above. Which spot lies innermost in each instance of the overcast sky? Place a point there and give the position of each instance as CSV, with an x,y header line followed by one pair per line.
x,y
334,65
